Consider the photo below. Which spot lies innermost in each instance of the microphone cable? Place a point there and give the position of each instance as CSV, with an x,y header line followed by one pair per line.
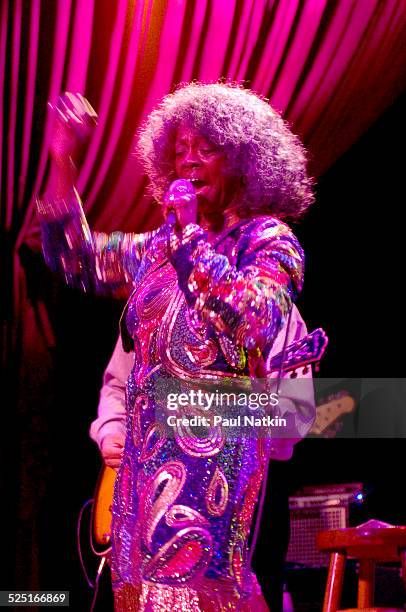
x,y
93,585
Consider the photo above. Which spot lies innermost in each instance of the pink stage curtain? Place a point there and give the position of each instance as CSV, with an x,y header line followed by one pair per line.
x,y
330,66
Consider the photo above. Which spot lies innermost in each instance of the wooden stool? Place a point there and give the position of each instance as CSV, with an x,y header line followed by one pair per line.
x,y
371,542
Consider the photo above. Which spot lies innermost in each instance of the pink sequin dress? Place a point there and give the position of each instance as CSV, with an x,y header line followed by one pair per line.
x,y
184,503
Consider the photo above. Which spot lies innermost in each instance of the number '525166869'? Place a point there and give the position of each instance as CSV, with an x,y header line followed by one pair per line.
x,y
26,598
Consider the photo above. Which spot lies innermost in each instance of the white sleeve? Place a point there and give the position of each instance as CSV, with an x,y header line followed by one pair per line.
x,y
111,409
296,395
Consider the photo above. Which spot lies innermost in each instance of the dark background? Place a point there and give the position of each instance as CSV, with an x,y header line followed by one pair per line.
x,y
353,238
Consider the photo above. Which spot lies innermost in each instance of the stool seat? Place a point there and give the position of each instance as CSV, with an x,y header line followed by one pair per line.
x,y
373,610
370,542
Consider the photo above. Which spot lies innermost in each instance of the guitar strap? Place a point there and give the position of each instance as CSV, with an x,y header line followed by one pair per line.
x,y
260,507
285,343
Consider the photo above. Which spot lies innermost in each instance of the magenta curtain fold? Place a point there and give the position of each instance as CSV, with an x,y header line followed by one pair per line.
x,y
60,39
3,47
30,81
11,132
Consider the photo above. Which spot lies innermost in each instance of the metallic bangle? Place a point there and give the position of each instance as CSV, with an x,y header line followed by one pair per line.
x,y
191,231
188,233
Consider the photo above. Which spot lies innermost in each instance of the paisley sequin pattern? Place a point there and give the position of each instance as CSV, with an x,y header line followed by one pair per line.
x,y
183,503
205,444
217,494
154,439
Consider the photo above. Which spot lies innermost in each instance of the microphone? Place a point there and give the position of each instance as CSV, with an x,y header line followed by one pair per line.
x,y
181,189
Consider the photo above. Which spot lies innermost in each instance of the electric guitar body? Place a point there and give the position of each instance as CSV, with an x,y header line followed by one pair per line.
x,y
102,507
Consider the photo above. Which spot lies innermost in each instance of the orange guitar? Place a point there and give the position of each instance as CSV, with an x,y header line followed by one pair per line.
x,y
102,506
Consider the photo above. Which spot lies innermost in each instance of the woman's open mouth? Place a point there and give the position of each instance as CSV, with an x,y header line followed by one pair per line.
x,y
197,183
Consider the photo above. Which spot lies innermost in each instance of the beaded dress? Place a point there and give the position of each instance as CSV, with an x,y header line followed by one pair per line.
x,y
184,503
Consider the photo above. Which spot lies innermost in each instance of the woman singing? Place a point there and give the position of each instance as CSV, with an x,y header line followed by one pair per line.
x,y
211,288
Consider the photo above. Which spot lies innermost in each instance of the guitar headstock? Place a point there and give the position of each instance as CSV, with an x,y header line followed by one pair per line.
x,y
328,413
302,353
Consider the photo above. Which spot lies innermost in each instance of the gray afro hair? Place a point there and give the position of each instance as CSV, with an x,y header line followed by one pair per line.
x,y
259,147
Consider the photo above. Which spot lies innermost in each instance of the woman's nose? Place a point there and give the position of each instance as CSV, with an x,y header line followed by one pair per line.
x,y
191,158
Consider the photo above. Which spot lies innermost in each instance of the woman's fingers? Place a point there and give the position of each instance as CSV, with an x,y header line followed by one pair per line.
x,y
75,119
77,106
85,104
75,110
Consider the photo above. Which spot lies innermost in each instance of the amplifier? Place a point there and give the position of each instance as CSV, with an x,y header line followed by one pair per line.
x,y
315,509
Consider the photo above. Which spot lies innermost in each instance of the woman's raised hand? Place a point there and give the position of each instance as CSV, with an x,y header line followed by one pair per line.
x,y
74,121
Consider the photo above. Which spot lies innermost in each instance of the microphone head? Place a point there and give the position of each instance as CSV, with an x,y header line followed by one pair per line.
x,y
178,189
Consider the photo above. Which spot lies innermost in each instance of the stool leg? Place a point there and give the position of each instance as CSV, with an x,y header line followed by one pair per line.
x,y
403,560
334,586
366,582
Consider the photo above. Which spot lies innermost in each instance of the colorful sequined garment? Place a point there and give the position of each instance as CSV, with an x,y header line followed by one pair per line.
x,y
184,503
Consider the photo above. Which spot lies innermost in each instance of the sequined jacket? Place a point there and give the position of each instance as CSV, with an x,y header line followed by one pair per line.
x,y
238,289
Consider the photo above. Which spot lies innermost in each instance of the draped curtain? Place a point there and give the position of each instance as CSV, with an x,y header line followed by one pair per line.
x,y
330,66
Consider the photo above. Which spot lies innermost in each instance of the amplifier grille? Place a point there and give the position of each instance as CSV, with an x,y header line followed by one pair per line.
x,y
305,525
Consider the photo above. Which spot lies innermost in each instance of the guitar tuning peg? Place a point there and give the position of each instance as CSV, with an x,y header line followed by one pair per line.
x,y
293,374
305,369
317,366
